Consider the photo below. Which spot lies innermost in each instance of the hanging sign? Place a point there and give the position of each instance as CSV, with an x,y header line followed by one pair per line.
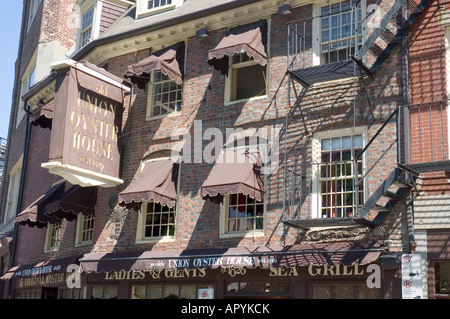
x,y
87,121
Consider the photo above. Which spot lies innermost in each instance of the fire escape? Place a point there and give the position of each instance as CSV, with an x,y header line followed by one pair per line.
x,y
363,62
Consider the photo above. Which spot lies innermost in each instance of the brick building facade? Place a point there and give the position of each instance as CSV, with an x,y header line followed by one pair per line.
x,y
333,200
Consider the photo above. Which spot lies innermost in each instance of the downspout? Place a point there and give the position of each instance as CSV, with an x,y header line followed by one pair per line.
x,y
406,158
20,195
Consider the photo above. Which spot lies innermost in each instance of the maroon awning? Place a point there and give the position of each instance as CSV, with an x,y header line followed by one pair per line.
x,y
250,39
156,182
75,200
169,60
236,171
47,267
43,117
34,215
317,254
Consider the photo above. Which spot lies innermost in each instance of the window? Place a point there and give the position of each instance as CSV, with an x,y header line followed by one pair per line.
x,y
104,292
257,288
52,237
85,229
342,291
13,190
165,95
335,173
337,31
34,6
87,21
442,278
153,4
71,293
243,213
145,7
173,292
156,222
246,79
29,294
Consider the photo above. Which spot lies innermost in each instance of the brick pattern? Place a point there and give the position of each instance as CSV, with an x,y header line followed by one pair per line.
x,y
428,86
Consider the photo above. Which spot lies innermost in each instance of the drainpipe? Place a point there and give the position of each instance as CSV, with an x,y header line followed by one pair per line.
x,y
20,195
407,138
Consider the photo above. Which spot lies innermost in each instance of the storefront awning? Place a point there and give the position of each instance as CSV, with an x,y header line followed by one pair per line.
x,y
169,60
155,182
75,200
318,254
34,215
236,171
250,39
43,117
39,271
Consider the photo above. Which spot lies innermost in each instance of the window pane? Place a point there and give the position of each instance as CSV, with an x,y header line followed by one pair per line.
x,y
442,271
250,82
320,292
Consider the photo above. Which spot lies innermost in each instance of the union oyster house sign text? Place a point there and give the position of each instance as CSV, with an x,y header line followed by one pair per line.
x,y
86,124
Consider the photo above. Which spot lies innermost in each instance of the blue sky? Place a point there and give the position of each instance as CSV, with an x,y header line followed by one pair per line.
x,y
10,21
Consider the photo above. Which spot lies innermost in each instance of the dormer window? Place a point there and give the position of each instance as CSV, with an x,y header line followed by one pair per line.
x,y
96,16
86,26
145,7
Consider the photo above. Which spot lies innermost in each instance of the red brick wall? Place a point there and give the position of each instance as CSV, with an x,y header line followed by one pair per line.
x,y
327,106
428,87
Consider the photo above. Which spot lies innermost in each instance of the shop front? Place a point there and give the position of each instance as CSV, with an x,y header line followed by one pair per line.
x,y
46,280
305,271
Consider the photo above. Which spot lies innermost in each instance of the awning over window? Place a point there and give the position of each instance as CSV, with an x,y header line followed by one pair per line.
x,y
169,60
43,117
236,171
302,255
34,215
250,39
75,200
156,182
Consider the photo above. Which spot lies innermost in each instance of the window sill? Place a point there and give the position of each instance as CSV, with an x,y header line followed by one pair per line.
x,y
165,239
51,249
145,13
242,234
86,243
173,114
255,98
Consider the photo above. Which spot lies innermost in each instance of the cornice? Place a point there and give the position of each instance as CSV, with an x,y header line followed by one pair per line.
x,y
159,38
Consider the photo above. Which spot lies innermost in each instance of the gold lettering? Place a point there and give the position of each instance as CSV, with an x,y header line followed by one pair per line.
x,y
314,271
357,273
346,271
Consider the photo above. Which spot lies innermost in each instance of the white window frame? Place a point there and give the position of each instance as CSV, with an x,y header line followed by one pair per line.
x,y
82,222
140,229
26,83
143,10
15,176
82,10
316,158
231,80
151,88
52,237
224,232
317,32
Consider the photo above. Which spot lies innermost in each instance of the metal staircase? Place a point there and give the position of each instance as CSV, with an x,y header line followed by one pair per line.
x,y
399,184
383,40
